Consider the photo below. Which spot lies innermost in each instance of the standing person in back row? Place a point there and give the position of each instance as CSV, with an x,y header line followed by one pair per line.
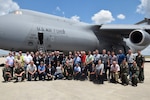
x,y
121,56
36,60
27,58
140,63
89,61
105,61
96,57
130,60
22,58
76,60
57,58
99,72
83,57
10,62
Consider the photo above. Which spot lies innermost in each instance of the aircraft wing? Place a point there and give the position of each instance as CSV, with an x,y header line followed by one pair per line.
x,y
122,29
126,29
136,37
146,21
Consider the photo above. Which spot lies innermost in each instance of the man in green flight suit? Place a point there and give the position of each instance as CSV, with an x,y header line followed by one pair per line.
x,y
135,74
124,72
19,72
7,73
140,63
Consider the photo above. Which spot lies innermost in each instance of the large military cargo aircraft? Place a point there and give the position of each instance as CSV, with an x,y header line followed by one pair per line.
x,y
28,30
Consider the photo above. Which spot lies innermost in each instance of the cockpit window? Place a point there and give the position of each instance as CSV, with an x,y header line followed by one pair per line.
x,y
18,12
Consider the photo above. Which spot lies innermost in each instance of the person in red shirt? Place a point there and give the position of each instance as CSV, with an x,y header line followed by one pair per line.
x,y
83,56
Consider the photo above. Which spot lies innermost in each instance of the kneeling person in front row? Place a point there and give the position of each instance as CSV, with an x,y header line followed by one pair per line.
x,y
135,74
100,72
84,72
41,71
68,71
49,71
32,71
92,73
115,68
59,71
77,72
124,72
19,72
7,73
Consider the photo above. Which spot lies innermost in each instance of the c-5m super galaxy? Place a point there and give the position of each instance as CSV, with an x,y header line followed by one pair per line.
x,y
28,30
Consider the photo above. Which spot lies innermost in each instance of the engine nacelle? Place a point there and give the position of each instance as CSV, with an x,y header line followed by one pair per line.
x,y
139,38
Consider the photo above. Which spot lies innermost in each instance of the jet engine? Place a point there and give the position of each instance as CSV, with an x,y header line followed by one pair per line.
x,y
139,38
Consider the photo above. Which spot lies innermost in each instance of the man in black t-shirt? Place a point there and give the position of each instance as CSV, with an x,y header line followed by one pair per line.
x,y
19,72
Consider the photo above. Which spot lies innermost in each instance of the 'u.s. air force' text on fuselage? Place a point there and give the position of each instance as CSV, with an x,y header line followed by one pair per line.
x,y
51,30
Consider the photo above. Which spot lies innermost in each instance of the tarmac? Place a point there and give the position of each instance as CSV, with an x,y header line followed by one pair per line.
x,y
73,90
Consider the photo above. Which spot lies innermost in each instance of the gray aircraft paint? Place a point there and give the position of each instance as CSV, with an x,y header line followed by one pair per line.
x,y
20,32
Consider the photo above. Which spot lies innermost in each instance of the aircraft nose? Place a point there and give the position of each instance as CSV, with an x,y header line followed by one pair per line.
x,y
3,26
1,31
4,22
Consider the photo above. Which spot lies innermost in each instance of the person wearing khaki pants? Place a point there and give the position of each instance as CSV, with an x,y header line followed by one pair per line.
x,y
115,68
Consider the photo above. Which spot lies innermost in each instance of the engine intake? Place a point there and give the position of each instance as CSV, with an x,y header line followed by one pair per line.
x,y
139,37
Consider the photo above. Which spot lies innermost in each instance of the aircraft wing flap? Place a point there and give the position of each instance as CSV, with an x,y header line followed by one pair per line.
x,y
124,27
119,29
110,30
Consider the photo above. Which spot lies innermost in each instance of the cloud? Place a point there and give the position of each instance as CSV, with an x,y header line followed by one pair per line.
x,y
75,18
58,8
102,17
144,8
121,16
7,5
58,11
63,13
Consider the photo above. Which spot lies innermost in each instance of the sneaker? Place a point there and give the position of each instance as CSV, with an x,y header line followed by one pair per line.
x,y
16,81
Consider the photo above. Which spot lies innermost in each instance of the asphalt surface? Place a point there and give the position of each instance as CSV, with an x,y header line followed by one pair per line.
x,y
74,90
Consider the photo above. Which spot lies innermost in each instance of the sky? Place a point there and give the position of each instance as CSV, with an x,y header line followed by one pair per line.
x,y
89,11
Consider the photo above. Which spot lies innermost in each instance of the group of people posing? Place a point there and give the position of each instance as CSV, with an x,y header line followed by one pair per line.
x,y
77,65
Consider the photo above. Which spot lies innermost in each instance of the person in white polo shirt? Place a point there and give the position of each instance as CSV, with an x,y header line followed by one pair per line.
x,y
10,62
32,71
27,59
115,68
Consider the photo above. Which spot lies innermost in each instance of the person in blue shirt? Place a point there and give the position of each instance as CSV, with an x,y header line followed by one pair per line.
x,y
41,71
121,57
77,72
77,59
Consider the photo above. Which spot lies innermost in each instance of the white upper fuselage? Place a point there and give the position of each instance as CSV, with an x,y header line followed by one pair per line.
x,y
20,32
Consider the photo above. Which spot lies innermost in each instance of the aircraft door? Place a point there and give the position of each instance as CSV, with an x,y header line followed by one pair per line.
x,y
40,38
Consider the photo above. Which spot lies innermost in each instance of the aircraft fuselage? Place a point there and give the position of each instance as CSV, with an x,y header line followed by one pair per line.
x,y
27,30
20,32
